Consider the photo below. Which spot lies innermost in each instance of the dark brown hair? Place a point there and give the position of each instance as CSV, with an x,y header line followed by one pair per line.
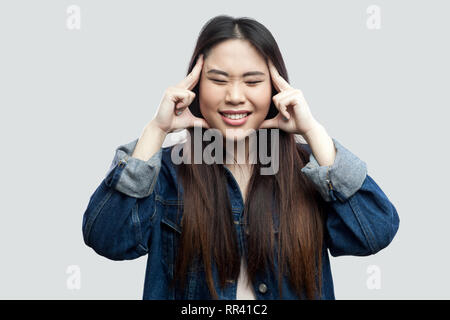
x,y
208,230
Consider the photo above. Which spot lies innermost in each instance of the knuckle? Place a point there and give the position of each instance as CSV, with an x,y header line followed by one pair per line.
x,y
276,100
170,90
186,94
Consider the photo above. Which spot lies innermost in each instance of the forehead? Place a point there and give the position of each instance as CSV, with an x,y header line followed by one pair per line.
x,y
235,57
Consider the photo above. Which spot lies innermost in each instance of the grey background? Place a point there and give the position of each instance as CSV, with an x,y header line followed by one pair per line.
x,y
70,97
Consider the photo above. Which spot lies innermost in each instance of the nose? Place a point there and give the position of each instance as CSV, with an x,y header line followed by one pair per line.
x,y
235,94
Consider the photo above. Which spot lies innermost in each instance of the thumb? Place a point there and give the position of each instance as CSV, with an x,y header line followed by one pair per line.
x,y
199,122
271,123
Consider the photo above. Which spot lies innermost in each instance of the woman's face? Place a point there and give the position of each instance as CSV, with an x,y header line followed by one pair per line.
x,y
225,86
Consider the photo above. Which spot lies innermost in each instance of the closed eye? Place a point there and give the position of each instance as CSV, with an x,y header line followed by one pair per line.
x,y
254,82
249,82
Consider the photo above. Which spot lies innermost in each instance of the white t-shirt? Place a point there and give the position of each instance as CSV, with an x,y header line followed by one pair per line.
x,y
244,291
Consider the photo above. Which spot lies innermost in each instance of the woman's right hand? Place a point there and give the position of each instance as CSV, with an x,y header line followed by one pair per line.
x,y
173,112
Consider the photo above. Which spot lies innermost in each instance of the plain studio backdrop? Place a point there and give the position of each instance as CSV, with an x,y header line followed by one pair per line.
x,y
375,74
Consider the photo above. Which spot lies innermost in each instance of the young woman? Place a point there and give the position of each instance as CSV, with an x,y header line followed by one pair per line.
x,y
224,230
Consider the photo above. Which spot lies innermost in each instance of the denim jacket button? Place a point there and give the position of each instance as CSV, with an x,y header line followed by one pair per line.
x,y
262,288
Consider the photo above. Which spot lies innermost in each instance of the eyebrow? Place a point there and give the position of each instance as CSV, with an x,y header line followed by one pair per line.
x,y
250,73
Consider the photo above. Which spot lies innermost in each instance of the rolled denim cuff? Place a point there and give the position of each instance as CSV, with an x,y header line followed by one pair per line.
x,y
137,178
346,174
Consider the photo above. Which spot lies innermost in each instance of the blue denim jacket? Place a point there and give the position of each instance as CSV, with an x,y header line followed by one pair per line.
x,y
133,212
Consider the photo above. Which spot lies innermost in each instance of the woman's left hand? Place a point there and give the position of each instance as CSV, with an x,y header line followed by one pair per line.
x,y
291,105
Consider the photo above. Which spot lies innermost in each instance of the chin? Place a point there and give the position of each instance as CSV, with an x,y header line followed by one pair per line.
x,y
237,134
235,138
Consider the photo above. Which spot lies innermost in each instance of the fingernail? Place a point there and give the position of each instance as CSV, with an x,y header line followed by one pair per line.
x,y
284,118
178,113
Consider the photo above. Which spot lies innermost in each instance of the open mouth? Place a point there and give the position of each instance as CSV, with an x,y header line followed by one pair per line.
x,y
235,119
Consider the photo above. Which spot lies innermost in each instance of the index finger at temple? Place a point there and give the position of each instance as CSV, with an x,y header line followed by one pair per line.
x,y
278,80
192,78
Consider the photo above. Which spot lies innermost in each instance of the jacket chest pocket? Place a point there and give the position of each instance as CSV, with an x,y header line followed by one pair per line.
x,y
170,234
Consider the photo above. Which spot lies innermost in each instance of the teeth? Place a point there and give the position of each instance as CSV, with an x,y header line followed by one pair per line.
x,y
235,116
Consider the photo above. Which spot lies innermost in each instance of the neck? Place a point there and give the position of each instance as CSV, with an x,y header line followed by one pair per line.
x,y
240,154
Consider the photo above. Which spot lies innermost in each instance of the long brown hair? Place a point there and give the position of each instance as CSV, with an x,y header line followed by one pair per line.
x,y
208,230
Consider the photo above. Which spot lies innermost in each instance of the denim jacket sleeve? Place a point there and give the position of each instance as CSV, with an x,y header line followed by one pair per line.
x,y
118,220
360,218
